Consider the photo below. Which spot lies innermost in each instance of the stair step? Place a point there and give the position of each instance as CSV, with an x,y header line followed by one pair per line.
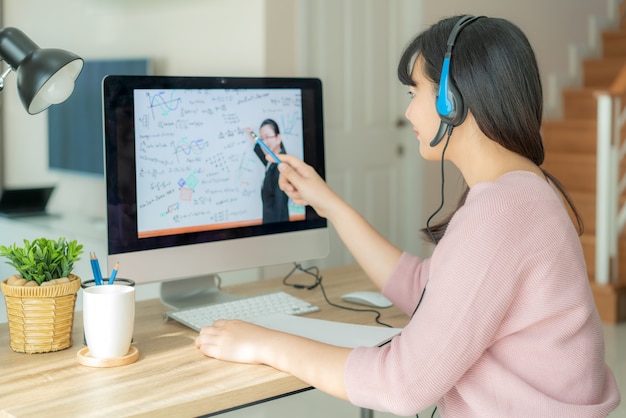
x,y
588,242
614,43
586,206
562,161
601,72
576,171
570,136
610,301
580,103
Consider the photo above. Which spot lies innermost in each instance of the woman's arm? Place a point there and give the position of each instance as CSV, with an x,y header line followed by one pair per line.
x,y
318,364
374,253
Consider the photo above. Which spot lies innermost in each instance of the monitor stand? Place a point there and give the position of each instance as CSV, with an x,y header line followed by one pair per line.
x,y
194,291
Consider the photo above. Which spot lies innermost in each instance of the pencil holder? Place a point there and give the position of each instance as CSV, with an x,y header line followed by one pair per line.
x,y
105,281
41,317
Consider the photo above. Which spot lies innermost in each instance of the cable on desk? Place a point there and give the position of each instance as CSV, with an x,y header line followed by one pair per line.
x,y
218,281
315,272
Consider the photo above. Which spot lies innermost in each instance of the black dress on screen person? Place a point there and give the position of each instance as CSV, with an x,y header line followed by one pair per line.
x,y
275,208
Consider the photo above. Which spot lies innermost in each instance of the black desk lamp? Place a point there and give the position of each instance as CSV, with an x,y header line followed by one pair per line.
x,y
44,76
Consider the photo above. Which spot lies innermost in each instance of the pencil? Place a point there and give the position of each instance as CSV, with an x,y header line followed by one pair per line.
x,y
92,260
265,147
97,273
114,273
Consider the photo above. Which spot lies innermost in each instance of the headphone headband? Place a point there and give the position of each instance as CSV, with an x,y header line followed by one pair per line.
x,y
458,27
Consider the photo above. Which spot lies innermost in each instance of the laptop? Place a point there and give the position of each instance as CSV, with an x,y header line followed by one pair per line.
x,y
24,202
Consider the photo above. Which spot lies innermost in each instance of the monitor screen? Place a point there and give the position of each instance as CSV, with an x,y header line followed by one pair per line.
x,y
189,190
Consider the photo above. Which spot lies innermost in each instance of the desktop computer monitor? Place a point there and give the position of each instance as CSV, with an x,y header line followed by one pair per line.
x,y
186,183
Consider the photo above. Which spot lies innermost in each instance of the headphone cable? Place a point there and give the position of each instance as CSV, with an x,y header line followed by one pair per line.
x,y
443,181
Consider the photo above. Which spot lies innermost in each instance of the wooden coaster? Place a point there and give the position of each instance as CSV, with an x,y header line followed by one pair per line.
x,y
86,359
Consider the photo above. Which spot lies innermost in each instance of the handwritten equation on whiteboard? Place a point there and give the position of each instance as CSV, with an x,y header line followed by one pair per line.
x,y
195,165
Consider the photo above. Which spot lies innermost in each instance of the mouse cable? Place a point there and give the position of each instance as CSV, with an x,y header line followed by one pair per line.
x,y
431,415
218,281
314,271
311,271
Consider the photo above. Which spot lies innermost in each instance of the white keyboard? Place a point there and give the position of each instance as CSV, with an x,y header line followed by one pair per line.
x,y
246,309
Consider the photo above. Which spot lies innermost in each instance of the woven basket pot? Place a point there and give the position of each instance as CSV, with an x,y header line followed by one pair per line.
x,y
41,318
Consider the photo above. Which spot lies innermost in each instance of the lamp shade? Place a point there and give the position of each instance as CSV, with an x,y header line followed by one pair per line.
x,y
44,76
47,78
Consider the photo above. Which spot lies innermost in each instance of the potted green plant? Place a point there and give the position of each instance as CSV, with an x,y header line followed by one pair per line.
x,y
41,297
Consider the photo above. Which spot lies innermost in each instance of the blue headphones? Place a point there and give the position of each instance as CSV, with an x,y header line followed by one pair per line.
x,y
450,105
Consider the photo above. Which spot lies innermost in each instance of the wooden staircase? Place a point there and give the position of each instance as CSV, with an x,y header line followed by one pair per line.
x,y
570,144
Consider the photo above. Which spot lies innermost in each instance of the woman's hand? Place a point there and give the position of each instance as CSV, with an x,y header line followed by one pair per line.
x,y
371,250
233,340
249,133
304,185
320,365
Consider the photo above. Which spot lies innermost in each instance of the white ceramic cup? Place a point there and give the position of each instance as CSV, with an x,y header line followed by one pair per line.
x,y
109,319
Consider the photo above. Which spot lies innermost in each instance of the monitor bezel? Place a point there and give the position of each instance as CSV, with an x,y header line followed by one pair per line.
x,y
120,169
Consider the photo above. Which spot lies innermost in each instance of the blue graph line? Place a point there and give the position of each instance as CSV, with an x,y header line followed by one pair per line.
x,y
164,104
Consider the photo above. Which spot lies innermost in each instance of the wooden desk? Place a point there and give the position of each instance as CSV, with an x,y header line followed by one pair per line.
x,y
171,377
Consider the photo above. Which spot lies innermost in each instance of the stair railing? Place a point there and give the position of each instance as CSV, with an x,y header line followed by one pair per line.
x,y
611,149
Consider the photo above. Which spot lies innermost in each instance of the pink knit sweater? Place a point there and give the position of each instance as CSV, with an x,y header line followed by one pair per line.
x,y
507,326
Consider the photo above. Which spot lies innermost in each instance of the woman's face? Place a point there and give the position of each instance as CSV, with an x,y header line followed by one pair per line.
x,y
270,138
422,112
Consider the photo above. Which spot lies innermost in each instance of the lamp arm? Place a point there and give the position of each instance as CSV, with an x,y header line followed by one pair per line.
x,y
15,46
3,75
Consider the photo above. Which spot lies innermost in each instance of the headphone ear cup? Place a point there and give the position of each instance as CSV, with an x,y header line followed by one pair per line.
x,y
458,112
449,102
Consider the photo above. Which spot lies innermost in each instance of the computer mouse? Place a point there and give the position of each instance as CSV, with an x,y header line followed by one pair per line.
x,y
367,298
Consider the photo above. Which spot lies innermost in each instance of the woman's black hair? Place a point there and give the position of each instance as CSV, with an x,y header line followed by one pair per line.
x,y
272,123
495,70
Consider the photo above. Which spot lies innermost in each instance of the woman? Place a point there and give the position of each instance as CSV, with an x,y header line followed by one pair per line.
x,y
275,201
503,323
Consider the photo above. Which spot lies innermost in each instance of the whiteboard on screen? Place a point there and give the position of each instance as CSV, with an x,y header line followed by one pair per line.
x,y
196,164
